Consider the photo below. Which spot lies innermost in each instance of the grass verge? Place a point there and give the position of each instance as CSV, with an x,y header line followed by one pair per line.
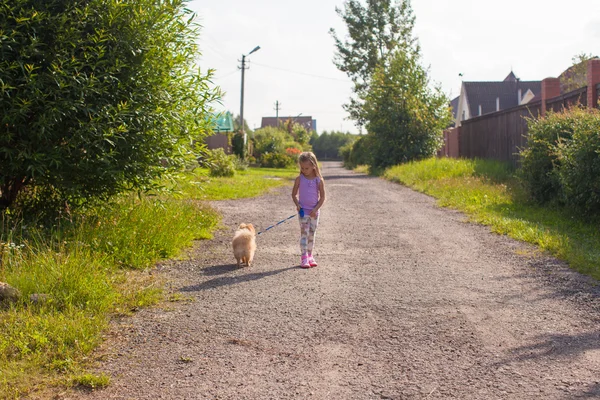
x,y
74,276
489,193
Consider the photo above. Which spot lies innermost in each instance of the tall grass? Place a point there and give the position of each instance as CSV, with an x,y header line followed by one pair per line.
x,y
89,266
490,194
80,271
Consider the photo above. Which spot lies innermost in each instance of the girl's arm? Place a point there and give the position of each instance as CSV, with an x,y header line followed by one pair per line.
x,y
295,193
321,199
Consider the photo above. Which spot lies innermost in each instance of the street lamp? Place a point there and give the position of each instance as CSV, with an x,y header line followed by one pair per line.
x,y
242,95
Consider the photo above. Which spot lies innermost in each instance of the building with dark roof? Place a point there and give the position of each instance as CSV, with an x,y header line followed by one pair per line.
x,y
479,98
307,122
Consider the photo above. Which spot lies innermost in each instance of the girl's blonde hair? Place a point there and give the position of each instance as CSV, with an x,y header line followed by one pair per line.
x,y
310,156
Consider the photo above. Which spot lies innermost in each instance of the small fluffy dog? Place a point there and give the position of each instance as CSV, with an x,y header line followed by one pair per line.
x,y
244,244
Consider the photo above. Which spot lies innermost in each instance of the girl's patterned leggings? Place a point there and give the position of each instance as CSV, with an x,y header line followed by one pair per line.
x,y
308,228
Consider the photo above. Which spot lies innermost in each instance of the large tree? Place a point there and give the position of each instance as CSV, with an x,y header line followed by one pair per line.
x,y
97,96
405,116
374,31
393,97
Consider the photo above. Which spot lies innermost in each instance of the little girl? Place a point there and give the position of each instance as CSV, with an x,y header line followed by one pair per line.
x,y
309,195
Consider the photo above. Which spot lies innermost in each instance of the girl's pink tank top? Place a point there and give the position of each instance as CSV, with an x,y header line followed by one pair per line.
x,y
308,193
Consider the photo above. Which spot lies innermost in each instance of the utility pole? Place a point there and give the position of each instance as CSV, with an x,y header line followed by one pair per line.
x,y
277,107
244,68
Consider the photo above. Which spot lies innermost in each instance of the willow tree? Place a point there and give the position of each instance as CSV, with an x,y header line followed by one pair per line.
x,y
97,96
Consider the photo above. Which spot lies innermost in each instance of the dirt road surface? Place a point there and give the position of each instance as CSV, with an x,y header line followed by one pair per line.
x,y
409,302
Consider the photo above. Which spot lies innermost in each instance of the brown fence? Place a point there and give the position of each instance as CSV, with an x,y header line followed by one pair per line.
x,y
498,136
501,135
568,100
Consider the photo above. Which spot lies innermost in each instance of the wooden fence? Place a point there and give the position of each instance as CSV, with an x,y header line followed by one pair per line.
x,y
498,136
502,135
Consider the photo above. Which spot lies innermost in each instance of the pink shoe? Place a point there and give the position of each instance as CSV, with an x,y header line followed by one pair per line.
x,y
311,261
304,262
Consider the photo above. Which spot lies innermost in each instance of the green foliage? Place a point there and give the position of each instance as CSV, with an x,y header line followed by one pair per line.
x,y
326,146
490,194
562,160
220,163
576,76
579,165
405,117
237,145
277,160
98,96
375,30
79,267
358,152
277,148
392,97
91,381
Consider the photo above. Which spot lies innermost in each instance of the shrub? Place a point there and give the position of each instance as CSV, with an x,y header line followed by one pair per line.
x,y
221,164
562,161
239,164
579,168
95,94
277,160
358,152
270,140
540,160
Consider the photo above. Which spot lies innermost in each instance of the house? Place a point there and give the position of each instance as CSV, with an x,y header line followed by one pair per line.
x,y
307,122
222,129
479,98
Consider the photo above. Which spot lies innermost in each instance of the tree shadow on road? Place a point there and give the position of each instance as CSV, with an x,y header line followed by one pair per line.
x,y
593,391
556,346
231,280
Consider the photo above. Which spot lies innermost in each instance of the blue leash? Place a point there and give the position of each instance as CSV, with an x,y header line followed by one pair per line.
x,y
301,212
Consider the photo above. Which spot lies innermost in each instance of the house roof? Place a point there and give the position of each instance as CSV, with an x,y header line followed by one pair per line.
x,y
306,121
223,122
487,93
454,106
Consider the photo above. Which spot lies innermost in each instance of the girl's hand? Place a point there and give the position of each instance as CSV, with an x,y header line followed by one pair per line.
x,y
313,214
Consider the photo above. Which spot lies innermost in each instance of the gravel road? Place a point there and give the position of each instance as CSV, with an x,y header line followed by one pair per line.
x,y
409,302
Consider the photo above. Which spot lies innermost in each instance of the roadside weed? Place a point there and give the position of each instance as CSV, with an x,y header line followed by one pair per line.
x,y
92,265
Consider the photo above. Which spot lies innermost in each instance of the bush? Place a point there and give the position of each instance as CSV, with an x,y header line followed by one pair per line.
x,y
579,171
95,94
328,146
540,159
358,152
270,140
277,160
221,164
562,161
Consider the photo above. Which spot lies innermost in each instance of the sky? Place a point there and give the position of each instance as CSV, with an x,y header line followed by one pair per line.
x,y
481,39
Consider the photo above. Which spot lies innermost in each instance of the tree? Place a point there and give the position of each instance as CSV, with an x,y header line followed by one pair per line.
x,y
576,76
404,116
375,30
328,145
98,96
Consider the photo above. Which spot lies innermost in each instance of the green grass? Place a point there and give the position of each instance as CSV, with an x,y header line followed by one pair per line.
x,y
249,183
489,193
90,267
